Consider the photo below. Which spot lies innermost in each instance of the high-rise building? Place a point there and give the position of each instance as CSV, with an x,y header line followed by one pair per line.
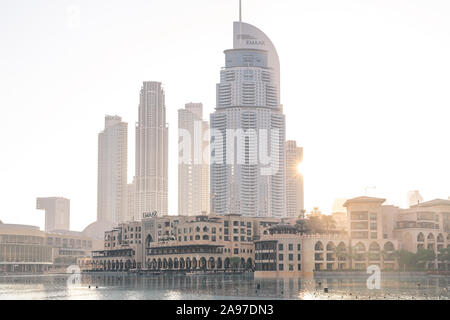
x,y
112,171
193,170
131,201
248,130
294,180
57,213
205,170
151,178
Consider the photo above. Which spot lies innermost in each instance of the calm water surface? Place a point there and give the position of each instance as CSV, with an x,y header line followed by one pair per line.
x,y
186,287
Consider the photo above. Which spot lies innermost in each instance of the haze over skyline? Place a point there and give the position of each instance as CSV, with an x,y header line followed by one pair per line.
x,y
363,83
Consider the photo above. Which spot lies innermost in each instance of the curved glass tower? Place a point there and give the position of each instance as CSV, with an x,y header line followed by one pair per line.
x,y
248,130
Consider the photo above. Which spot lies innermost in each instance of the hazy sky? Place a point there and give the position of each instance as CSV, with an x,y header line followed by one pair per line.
x,y
365,88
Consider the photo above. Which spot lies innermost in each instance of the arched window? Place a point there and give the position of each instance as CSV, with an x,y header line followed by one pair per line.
x,y
148,240
318,246
389,246
420,237
440,238
374,247
430,237
360,247
331,246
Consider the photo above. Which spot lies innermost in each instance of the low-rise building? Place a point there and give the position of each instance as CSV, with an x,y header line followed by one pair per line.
x,y
185,243
286,252
275,247
26,248
122,250
68,246
425,226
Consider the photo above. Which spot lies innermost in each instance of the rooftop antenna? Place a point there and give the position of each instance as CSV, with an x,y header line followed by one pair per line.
x,y
239,36
240,10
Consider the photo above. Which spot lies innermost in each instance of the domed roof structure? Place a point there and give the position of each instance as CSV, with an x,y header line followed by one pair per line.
x,y
97,229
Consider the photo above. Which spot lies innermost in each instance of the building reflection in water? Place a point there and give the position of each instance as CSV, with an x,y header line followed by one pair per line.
x,y
177,286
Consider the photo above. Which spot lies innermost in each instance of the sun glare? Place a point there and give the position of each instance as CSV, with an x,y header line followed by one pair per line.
x,y
300,168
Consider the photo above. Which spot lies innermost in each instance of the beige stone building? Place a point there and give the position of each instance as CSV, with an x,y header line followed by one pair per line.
x,y
28,249
23,249
208,243
274,247
425,226
284,252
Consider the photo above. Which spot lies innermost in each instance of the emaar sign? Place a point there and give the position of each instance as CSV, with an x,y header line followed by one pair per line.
x,y
152,214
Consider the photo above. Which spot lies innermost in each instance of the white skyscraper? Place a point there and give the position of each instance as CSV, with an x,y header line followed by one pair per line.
x,y
294,180
193,170
248,130
131,200
112,171
151,178
57,213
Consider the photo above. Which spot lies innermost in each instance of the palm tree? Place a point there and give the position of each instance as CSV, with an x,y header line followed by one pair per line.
x,y
423,256
354,254
328,223
302,226
341,253
315,224
444,256
405,259
235,262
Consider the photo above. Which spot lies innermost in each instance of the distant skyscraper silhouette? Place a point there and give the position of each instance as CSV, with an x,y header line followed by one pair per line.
x,y
294,180
338,205
112,171
193,171
151,178
414,198
57,213
248,99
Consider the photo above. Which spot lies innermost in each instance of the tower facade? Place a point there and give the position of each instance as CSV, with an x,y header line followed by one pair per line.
x,y
294,180
193,168
248,130
112,171
151,178
57,213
